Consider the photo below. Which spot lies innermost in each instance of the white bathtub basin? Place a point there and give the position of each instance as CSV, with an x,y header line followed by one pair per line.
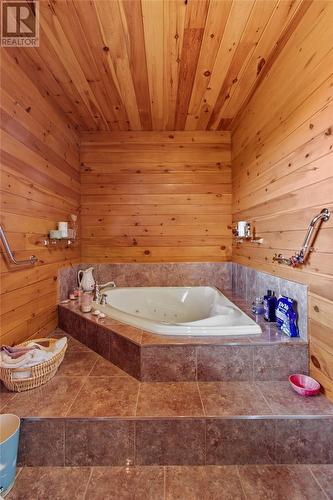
x,y
198,310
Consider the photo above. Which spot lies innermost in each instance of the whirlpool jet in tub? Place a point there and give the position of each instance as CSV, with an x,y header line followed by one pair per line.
x,y
191,311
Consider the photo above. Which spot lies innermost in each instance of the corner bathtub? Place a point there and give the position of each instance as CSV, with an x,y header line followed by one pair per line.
x,y
191,311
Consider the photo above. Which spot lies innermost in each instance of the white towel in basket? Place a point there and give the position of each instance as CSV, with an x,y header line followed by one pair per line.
x,y
37,355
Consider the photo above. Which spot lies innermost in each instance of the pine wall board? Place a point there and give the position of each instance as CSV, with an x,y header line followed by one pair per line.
x,y
282,163
156,196
40,185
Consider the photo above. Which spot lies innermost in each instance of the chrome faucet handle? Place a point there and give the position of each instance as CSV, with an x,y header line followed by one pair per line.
x,y
104,299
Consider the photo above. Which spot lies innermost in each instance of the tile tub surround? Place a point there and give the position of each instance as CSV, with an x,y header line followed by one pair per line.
x,y
109,418
244,281
249,283
217,274
244,482
151,357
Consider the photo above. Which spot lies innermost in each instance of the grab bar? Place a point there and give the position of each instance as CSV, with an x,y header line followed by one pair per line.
x,y
300,257
33,259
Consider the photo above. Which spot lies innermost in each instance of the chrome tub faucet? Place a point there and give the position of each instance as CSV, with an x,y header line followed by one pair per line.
x,y
101,298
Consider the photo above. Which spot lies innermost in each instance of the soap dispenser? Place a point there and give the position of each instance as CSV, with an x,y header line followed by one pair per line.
x,y
270,302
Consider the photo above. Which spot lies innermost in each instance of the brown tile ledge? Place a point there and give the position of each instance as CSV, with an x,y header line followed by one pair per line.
x,y
92,413
150,357
175,441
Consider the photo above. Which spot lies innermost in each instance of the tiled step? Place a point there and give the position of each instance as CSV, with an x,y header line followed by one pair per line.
x,y
251,482
150,357
175,441
94,414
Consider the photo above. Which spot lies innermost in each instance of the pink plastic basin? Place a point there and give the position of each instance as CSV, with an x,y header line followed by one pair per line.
x,y
304,385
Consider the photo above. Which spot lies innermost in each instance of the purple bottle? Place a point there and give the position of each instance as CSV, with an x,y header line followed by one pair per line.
x,y
270,302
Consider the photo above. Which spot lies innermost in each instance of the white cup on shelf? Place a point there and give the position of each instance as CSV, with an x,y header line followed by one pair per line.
x,y
242,229
63,227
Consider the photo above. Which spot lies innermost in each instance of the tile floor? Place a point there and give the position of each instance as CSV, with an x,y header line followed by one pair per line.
x,y
252,482
87,385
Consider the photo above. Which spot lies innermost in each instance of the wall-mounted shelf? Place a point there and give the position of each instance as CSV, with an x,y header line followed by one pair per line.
x,y
247,233
56,238
55,242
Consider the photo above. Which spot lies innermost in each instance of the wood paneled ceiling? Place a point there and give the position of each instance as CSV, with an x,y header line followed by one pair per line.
x,y
154,64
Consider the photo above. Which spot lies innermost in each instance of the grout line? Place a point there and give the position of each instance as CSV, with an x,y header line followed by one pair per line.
x,y
240,481
65,442
137,400
19,472
275,443
10,401
64,446
276,453
134,444
263,396
88,482
164,481
317,481
135,414
205,425
93,366
205,442
75,398
202,405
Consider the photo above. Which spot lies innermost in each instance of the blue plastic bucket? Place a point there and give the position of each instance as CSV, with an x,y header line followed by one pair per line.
x,y
9,438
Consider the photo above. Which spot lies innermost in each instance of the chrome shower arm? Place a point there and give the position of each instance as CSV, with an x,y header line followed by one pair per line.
x,y
33,259
300,257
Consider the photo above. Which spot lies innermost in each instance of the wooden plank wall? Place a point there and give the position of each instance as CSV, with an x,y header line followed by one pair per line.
x,y
282,149
156,196
40,185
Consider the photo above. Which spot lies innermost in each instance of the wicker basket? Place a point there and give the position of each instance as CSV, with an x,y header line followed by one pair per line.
x,y
39,374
